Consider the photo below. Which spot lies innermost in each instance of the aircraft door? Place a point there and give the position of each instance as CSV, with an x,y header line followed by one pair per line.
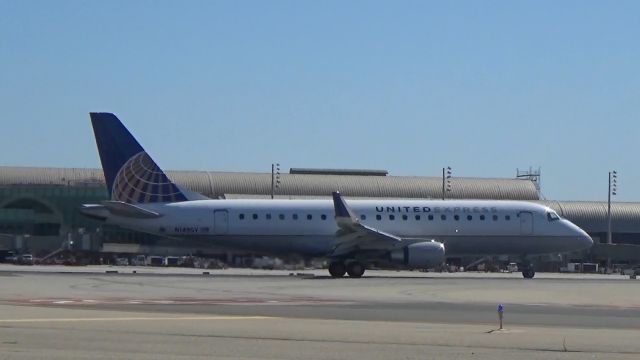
x,y
220,221
526,223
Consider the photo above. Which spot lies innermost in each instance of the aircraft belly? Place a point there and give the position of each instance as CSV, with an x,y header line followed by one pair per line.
x,y
273,244
505,245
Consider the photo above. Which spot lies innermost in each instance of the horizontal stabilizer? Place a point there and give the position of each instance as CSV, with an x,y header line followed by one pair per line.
x,y
128,210
192,195
95,211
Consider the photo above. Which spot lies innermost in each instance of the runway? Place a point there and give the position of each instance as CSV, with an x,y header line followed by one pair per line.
x,y
228,314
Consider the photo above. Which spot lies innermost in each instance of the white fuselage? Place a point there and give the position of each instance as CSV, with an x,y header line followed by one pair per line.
x,y
308,227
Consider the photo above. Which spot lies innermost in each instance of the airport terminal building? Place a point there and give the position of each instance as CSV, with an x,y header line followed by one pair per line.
x,y
38,206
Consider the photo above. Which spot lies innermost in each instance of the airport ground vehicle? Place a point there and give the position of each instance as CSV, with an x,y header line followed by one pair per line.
x,y
172,261
139,260
25,259
155,261
7,256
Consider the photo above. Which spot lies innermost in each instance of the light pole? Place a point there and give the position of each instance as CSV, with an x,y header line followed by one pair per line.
x,y
613,191
275,178
446,181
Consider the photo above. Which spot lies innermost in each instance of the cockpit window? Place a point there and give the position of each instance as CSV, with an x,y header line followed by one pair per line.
x,y
552,216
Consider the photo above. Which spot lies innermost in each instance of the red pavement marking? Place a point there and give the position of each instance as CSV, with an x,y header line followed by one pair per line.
x,y
169,301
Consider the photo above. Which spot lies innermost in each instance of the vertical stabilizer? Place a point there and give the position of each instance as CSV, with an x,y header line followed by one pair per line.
x,y
130,173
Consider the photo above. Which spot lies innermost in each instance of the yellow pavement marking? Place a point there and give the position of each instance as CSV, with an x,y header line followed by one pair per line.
x,y
136,319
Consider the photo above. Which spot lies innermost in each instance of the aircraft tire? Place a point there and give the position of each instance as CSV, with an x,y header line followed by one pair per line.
x,y
337,269
355,269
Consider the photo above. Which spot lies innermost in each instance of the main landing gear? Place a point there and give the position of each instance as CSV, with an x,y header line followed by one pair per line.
x,y
337,269
355,269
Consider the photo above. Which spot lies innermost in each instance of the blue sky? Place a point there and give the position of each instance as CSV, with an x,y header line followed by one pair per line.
x,y
410,86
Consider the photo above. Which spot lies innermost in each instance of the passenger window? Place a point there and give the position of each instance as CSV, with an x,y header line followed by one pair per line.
x,y
378,217
507,217
482,217
363,217
469,217
241,216
456,217
392,217
430,217
309,217
255,216
495,217
404,217
443,217
281,216
295,216
323,217
268,216
417,217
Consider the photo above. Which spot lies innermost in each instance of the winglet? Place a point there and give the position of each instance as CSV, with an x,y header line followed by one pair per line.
x,y
350,224
344,215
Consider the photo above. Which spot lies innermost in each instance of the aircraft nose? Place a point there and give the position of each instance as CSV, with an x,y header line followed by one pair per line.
x,y
584,241
579,239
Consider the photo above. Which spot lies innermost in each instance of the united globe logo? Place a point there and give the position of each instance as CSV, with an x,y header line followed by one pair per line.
x,y
140,180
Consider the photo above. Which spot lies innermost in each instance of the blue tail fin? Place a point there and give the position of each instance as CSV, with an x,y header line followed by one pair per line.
x,y
131,175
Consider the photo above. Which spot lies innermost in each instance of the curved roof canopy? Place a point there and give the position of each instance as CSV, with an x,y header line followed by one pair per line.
x,y
217,184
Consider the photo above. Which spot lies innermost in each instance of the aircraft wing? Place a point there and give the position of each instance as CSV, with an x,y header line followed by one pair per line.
x,y
354,235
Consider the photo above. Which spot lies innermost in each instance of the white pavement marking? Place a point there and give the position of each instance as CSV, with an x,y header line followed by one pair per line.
x,y
205,318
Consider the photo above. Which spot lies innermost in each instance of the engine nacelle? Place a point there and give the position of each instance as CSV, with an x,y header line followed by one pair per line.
x,y
419,255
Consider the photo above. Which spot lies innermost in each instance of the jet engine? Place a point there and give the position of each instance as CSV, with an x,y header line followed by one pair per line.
x,y
419,255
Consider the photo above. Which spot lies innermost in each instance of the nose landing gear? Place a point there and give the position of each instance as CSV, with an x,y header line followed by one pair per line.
x,y
528,273
526,266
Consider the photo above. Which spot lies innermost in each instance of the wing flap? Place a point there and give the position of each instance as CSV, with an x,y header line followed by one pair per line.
x,y
379,233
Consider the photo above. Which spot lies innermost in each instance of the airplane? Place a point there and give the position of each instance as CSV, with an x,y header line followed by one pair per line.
x,y
352,234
